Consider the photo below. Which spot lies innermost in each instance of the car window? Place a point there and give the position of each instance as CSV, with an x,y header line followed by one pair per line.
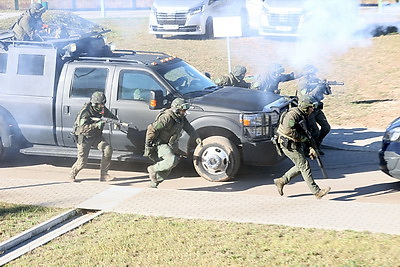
x,y
136,85
86,81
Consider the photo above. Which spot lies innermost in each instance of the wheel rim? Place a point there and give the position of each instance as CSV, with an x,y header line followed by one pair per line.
x,y
215,160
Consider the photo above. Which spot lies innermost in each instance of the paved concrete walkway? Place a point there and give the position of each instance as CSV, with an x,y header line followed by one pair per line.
x,y
223,206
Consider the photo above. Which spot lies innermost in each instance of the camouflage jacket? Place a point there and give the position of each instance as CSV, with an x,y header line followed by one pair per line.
x,y
26,27
167,128
289,125
231,80
270,84
86,126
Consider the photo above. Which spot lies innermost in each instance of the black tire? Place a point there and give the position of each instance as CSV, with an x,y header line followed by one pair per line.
x,y
159,36
209,29
218,160
6,153
2,150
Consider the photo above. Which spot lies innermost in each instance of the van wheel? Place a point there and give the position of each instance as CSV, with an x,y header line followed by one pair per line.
x,y
209,29
218,160
5,153
159,36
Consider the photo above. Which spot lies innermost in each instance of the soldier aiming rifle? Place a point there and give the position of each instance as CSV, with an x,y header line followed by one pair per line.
x,y
310,85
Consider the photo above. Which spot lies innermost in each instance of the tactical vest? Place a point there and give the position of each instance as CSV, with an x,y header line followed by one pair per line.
x,y
86,130
172,131
281,128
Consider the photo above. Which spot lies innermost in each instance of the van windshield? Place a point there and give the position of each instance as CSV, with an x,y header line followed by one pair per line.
x,y
187,80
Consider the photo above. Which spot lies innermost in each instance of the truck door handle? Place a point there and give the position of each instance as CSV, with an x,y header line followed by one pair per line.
x,y
114,111
66,110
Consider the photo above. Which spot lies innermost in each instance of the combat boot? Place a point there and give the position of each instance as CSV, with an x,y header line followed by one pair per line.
x,y
322,192
152,175
72,177
106,178
279,185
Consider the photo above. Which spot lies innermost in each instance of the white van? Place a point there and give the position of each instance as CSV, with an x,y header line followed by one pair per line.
x,y
192,17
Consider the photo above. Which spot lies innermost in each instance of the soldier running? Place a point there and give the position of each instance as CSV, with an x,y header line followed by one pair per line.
x,y
162,140
291,139
88,133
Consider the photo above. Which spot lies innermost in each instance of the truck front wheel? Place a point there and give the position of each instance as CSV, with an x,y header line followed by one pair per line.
x,y
218,160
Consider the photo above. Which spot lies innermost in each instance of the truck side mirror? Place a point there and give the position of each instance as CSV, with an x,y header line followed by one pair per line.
x,y
156,99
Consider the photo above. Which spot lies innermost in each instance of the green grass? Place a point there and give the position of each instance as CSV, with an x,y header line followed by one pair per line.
x,y
132,240
15,219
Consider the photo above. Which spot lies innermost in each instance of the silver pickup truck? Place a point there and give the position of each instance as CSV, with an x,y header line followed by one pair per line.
x,y
43,85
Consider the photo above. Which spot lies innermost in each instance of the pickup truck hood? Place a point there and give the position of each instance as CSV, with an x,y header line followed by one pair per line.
x,y
287,4
176,5
236,99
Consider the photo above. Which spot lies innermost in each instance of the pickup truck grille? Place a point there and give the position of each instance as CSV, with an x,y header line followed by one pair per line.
x,y
259,126
276,19
171,18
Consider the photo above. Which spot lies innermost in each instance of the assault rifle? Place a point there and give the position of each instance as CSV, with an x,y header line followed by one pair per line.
x,y
113,122
314,146
327,85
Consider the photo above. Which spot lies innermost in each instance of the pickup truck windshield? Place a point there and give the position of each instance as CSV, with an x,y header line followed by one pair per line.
x,y
187,80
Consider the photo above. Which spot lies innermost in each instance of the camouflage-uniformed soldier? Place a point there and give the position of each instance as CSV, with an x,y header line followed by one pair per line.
x,y
311,86
30,22
88,133
292,137
235,78
270,81
162,140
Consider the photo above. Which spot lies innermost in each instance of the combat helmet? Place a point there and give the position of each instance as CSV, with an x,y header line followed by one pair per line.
x,y
37,8
307,101
309,69
98,98
179,104
276,68
239,72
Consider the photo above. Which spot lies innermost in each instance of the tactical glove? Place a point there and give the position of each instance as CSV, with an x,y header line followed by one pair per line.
x,y
100,124
149,150
312,153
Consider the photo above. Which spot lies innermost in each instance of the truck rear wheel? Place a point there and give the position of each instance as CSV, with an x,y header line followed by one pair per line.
x,y
218,160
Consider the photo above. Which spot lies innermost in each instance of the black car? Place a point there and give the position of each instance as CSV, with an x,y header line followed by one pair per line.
x,y
389,154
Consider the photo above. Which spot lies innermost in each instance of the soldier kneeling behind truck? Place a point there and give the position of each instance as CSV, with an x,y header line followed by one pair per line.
x,y
162,140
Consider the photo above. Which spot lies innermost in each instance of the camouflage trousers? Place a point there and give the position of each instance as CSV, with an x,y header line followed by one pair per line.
x,y
301,166
168,161
83,155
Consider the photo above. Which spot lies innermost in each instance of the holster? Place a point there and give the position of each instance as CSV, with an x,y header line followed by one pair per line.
x,y
288,143
320,105
277,145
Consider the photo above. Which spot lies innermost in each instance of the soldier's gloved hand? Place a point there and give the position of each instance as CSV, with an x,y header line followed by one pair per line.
x,y
148,149
100,124
199,141
312,153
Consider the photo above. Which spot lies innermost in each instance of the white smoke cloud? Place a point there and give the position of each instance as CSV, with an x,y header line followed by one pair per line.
x,y
329,29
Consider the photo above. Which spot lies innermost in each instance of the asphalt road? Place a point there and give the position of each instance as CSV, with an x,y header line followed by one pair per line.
x,y
353,176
